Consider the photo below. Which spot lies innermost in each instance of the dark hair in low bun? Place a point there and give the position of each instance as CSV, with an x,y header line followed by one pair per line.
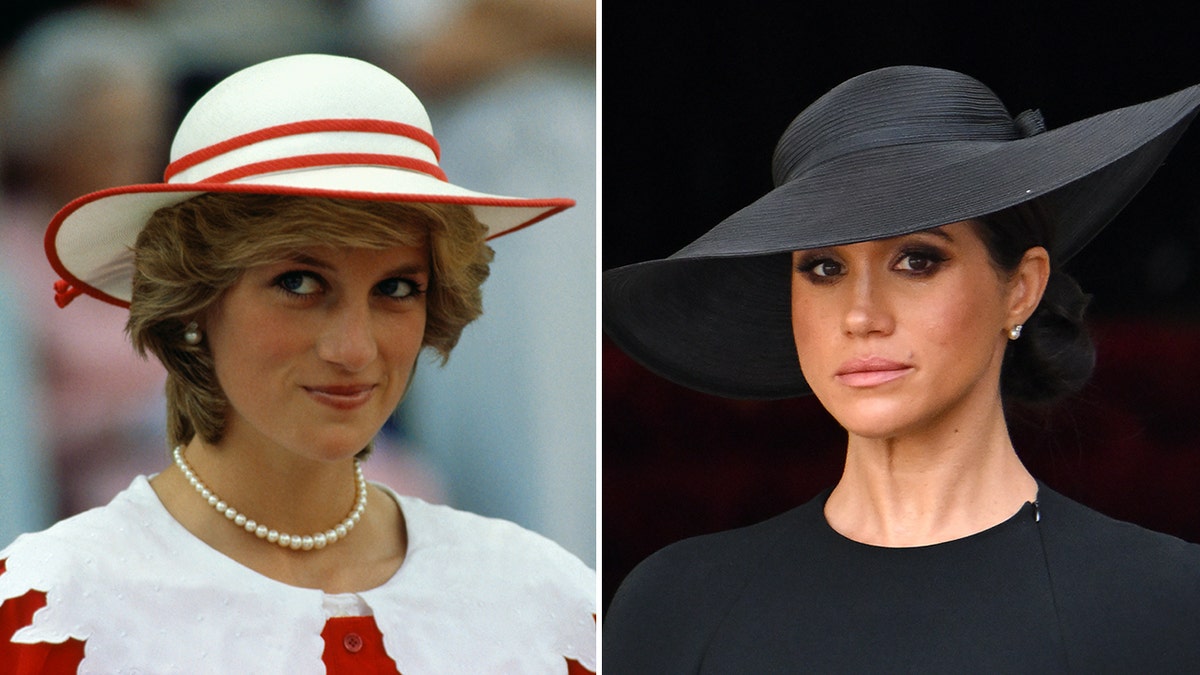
x,y
1054,356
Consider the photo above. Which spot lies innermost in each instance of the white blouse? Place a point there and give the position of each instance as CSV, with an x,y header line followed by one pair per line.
x,y
473,594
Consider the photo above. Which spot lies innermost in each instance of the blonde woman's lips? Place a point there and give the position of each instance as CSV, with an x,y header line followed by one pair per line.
x,y
870,371
342,397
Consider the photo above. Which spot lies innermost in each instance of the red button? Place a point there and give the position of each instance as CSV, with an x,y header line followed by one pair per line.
x,y
353,642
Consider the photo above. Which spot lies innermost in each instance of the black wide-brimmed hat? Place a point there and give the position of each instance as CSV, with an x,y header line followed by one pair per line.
x,y
886,153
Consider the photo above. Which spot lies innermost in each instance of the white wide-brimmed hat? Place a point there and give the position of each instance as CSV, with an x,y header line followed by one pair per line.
x,y
307,125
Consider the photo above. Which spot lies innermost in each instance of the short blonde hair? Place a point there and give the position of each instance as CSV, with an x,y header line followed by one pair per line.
x,y
188,255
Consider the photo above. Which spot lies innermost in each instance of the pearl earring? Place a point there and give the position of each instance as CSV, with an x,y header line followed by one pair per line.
x,y
1015,331
191,334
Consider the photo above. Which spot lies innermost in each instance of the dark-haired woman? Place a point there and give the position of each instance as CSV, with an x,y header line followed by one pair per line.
x,y
905,270
305,248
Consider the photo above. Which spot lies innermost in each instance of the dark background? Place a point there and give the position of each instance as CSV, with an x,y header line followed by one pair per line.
x,y
693,102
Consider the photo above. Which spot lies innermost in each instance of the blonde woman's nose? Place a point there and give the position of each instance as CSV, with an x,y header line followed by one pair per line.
x,y
348,338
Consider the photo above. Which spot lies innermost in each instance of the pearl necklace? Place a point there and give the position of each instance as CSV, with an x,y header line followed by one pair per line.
x,y
293,541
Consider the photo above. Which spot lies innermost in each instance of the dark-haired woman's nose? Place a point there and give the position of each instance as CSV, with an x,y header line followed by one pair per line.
x,y
868,311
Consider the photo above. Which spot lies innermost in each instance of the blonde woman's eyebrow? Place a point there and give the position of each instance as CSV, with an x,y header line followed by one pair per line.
x,y
409,269
310,260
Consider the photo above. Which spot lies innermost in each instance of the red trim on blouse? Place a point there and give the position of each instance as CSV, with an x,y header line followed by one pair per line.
x,y
39,658
575,668
353,644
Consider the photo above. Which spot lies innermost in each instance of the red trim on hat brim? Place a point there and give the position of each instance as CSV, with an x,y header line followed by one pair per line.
x,y
77,287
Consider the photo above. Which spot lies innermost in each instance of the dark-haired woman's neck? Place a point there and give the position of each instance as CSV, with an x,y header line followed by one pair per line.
x,y
935,485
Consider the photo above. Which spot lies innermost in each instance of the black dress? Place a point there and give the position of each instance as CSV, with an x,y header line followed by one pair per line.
x,y
1056,588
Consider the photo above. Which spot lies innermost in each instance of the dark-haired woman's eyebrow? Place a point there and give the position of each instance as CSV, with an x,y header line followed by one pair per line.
x,y
809,253
939,231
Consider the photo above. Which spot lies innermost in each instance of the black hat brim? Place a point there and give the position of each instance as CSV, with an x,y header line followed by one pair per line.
x,y
715,316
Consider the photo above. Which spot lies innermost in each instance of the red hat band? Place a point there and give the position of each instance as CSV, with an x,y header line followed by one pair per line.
x,y
266,150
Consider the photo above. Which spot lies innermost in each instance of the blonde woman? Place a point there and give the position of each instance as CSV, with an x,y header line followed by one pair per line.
x,y
303,250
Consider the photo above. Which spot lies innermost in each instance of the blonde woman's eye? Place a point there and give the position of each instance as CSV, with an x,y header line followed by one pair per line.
x,y
399,288
299,283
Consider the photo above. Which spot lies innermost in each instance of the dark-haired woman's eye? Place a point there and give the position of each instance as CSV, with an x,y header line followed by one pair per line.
x,y
821,268
299,283
920,262
399,288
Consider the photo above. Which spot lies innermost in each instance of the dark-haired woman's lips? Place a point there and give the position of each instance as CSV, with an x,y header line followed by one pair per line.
x,y
870,371
342,397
